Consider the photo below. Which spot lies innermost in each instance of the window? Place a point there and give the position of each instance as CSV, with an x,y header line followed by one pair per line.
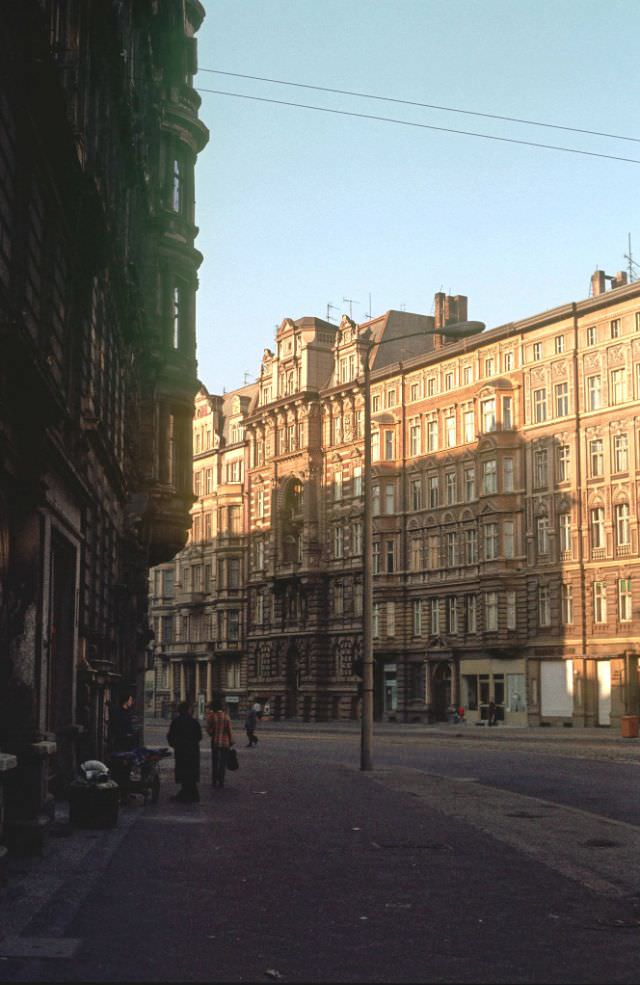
x,y
491,611
544,606
507,475
389,498
509,538
176,185
637,321
564,463
376,620
467,375
596,457
417,617
562,399
259,554
623,526
559,344
432,435
542,534
624,599
469,426
452,488
416,494
376,557
415,436
449,382
597,528
233,625
434,609
507,413
388,446
565,534
537,351
592,335
452,548
450,430
508,362
472,613
375,403
391,397
488,411
390,556
489,477
469,483
414,391
375,499
338,541
490,536
567,604
511,610
431,386
356,537
615,328
599,601
415,554
618,393
620,452
434,492
489,366
337,485
540,471
176,317
594,393
540,405
391,619
357,481
452,615
471,545
433,549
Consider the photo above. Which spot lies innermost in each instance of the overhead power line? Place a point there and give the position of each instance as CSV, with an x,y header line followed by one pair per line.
x,y
422,126
412,102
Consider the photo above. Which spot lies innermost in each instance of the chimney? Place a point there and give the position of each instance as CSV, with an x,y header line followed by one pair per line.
x,y
448,310
598,285
619,280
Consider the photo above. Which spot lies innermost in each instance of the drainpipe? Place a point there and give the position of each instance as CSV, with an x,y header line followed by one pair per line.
x,y
578,484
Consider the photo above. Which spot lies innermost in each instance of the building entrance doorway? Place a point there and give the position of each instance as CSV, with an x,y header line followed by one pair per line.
x,y
441,691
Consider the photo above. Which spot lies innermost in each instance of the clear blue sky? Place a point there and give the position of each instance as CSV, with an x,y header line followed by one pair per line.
x,y
298,209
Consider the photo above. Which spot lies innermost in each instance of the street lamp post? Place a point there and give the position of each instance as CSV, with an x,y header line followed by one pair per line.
x,y
459,330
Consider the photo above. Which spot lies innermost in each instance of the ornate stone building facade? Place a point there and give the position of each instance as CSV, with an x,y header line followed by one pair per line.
x,y
505,498
99,133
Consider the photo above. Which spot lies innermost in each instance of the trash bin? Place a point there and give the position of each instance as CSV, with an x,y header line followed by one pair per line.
x,y
94,805
629,726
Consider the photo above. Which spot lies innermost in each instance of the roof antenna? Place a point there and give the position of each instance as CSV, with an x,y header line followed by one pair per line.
x,y
330,308
351,302
633,267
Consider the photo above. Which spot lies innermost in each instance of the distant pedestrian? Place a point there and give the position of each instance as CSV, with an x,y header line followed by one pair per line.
x,y
184,737
122,732
219,728
250,724
493,719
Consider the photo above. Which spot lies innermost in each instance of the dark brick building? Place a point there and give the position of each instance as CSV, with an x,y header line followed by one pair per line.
x,y
99,134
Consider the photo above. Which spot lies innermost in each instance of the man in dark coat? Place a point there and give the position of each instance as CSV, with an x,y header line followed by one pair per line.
x,y
184,737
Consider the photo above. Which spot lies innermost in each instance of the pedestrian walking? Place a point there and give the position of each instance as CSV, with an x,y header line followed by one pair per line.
x,y
493,720
219,728
184,737
250,724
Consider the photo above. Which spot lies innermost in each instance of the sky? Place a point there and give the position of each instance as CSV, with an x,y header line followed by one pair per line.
x,y
299,209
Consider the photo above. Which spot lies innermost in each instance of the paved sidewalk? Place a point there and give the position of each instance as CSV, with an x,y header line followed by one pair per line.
x,y
305,871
